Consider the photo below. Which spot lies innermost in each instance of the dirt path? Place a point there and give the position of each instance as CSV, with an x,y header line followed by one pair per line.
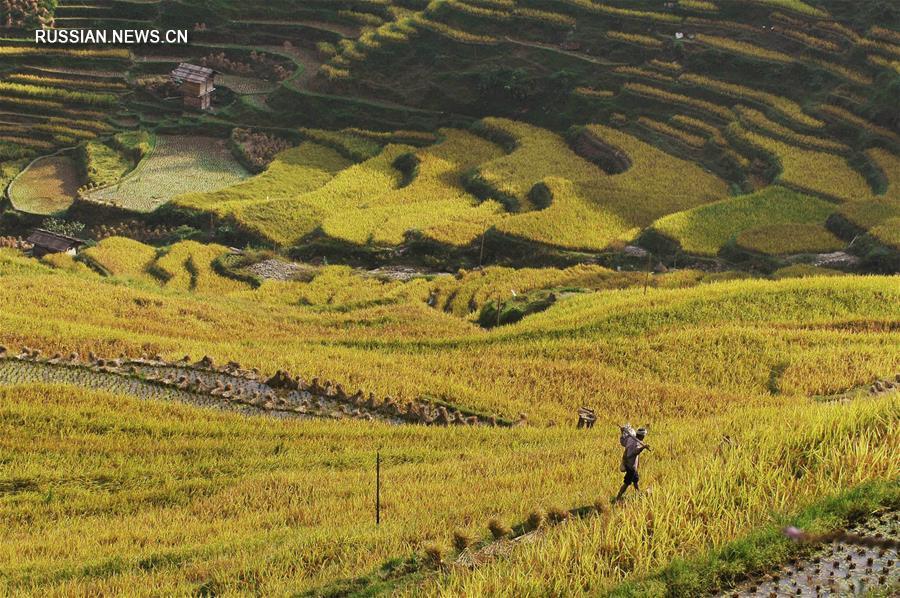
x,y
556,50
336,28
306,61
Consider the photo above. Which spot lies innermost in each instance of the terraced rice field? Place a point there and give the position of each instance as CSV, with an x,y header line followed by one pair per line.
x,y
821,173
14,373
705,230
47,186
228,466
260,203
771,398
177,165
371,203
781,239
365,202
246,85
688,360
229,389
186,266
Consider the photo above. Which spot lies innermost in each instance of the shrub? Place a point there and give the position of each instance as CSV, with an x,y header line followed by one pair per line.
x,y
70,228
256,150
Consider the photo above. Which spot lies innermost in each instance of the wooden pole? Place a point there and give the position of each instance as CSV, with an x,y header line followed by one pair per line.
x,y
649,267
378,488
481,255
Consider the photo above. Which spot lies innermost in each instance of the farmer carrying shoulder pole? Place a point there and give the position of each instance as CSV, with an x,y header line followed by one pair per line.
x,y
633,442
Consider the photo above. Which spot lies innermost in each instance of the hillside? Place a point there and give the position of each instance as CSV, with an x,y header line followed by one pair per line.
x,y
738,357
357,302
650,111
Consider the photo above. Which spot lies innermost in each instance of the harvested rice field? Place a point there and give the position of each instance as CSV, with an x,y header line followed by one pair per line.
x,y
47,186
178,164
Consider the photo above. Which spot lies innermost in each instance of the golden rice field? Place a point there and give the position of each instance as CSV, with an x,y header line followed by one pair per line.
x,y
187,266
889,164
667,130
744,48
621,334
184,266
537,154
150,498
867,214
780,239
589,209
706,229
468,291
571,220
821,173
433,202
293,172
756,119
787,108
686,510
238,503
888,232
310,187
657,183
120,256
664,95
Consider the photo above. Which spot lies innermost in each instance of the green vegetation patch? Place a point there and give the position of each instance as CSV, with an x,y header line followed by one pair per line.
x,y
706,229
102,164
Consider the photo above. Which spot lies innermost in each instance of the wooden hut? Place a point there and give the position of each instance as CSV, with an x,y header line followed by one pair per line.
x,y
195,83
44,242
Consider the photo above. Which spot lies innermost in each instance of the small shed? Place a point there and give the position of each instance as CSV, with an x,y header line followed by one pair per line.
x,y
195,83
44,242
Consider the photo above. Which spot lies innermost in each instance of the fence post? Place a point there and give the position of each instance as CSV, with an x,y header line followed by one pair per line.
x,y
377,487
